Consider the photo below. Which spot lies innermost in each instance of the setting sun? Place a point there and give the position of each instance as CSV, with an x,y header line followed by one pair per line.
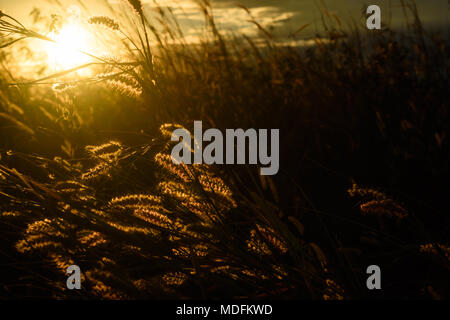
x,y
71,41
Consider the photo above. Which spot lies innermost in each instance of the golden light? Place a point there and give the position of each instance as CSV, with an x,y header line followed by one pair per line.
x,y
66,53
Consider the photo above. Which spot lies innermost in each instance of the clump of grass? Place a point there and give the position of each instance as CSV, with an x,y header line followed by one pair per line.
x,y
137,6
186,219
377,202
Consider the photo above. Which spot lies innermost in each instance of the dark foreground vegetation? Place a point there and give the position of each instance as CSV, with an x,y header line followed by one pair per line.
x,y
86,176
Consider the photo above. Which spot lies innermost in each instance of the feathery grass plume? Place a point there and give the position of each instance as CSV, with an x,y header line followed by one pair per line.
x,y
185,197
384,207
107,154
97,278
270,235
143,285
46,226
99,213
129,229
100,170
333,291
91,238
254,274
174,279
136,6
61,262
122,82
218,187
70,184
176,190
181,251
145,207
185,194
132,248
107,151
436,250
192,234
11,214
256,245
203,210
167,129
72,187
104,21
86,198
181,170
61,87
366,192
125,78
135,201
220,269
125,87
155,218
37,242
199,250
279,272
377,202
215,185
107,261
45,235
106,292
104,147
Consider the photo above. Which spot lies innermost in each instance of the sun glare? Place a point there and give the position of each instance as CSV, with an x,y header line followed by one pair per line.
x,y
66,53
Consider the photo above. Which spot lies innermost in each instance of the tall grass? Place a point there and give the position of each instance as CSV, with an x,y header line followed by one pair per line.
x,y
86,176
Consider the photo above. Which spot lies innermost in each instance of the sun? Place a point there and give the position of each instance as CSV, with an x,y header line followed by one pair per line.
x,y
67,51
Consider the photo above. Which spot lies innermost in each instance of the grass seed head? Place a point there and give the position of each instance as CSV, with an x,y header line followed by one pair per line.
x,y
105,21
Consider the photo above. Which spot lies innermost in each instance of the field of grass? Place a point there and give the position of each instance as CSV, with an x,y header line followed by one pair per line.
x,y
86,176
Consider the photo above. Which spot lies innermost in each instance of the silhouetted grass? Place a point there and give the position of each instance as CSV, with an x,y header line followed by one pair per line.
x,y
86,176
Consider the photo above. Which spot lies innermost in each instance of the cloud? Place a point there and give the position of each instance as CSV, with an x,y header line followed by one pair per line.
x,y
229,17
281,17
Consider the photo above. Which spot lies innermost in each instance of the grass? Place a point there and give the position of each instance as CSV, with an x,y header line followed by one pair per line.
x,y
86,178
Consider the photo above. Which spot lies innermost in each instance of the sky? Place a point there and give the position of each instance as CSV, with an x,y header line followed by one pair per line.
x,y
281,16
